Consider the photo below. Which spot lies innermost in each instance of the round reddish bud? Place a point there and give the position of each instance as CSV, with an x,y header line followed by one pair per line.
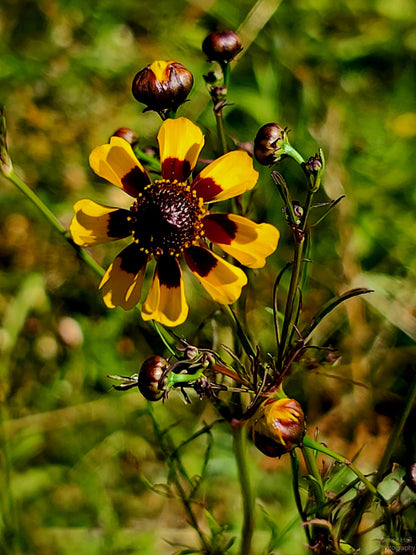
x,y
162,85
410,477
151,381
277,426
268,144
127,134
221,46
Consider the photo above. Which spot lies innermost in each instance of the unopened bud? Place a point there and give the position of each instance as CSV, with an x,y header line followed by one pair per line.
x,y
277,426
221,46
151,381
127,134
268,144
162,85
315,166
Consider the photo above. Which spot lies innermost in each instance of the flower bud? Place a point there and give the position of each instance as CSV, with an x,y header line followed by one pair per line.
x,y
315,166
151,381
162,85
127,134
268,144
221,46
277,426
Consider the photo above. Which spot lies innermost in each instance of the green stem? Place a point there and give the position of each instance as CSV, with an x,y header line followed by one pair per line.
x,y
240,451
290,301
245,341
53,220
384,463
314,445
171,456
220,131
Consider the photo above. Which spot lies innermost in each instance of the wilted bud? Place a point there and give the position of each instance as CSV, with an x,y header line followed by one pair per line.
x,y
162,85
151,381
277,426
127,134
221,46
268,144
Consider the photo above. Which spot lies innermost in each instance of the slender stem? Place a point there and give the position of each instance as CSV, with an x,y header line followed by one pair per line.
x,y
240,450
310,444
220,131
290,301
53,220
168,451
384,463
245,341
295,484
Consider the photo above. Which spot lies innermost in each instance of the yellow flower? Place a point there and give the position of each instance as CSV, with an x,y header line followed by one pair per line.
x,y
168,220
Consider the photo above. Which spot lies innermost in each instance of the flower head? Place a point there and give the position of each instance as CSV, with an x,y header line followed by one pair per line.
x,y
277,426
168,220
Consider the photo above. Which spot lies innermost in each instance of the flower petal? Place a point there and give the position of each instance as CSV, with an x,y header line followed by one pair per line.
x,y
117,163
180,142
166,301
248,242
226,177
122,282
95,223
222,280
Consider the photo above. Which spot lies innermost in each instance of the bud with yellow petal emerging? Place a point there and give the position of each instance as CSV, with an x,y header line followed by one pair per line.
x,y
162,86
277,426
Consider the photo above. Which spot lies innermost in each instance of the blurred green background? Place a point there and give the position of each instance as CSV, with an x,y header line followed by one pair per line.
x,y
75,453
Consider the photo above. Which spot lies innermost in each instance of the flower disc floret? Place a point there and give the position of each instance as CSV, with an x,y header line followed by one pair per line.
x,y
166,218
169,218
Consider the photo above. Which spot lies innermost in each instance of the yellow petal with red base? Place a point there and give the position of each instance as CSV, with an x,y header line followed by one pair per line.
x,y
122,282
231,175
222,280
166,301
248,242
180,142
95,223
117,163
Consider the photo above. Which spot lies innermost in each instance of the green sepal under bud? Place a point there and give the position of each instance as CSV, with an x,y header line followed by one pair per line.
x,y
221,46
152,378
127,134
162,86
277,426
269,144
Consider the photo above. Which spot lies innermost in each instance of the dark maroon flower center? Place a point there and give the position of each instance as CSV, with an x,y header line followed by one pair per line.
x,y
166,218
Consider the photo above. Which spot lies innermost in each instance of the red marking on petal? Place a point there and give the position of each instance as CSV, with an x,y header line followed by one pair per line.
x,y
135,181
219,228
169,271
173,168
200,260
206,188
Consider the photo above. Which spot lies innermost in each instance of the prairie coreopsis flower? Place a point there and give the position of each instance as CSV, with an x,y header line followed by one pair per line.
x,y
168,220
